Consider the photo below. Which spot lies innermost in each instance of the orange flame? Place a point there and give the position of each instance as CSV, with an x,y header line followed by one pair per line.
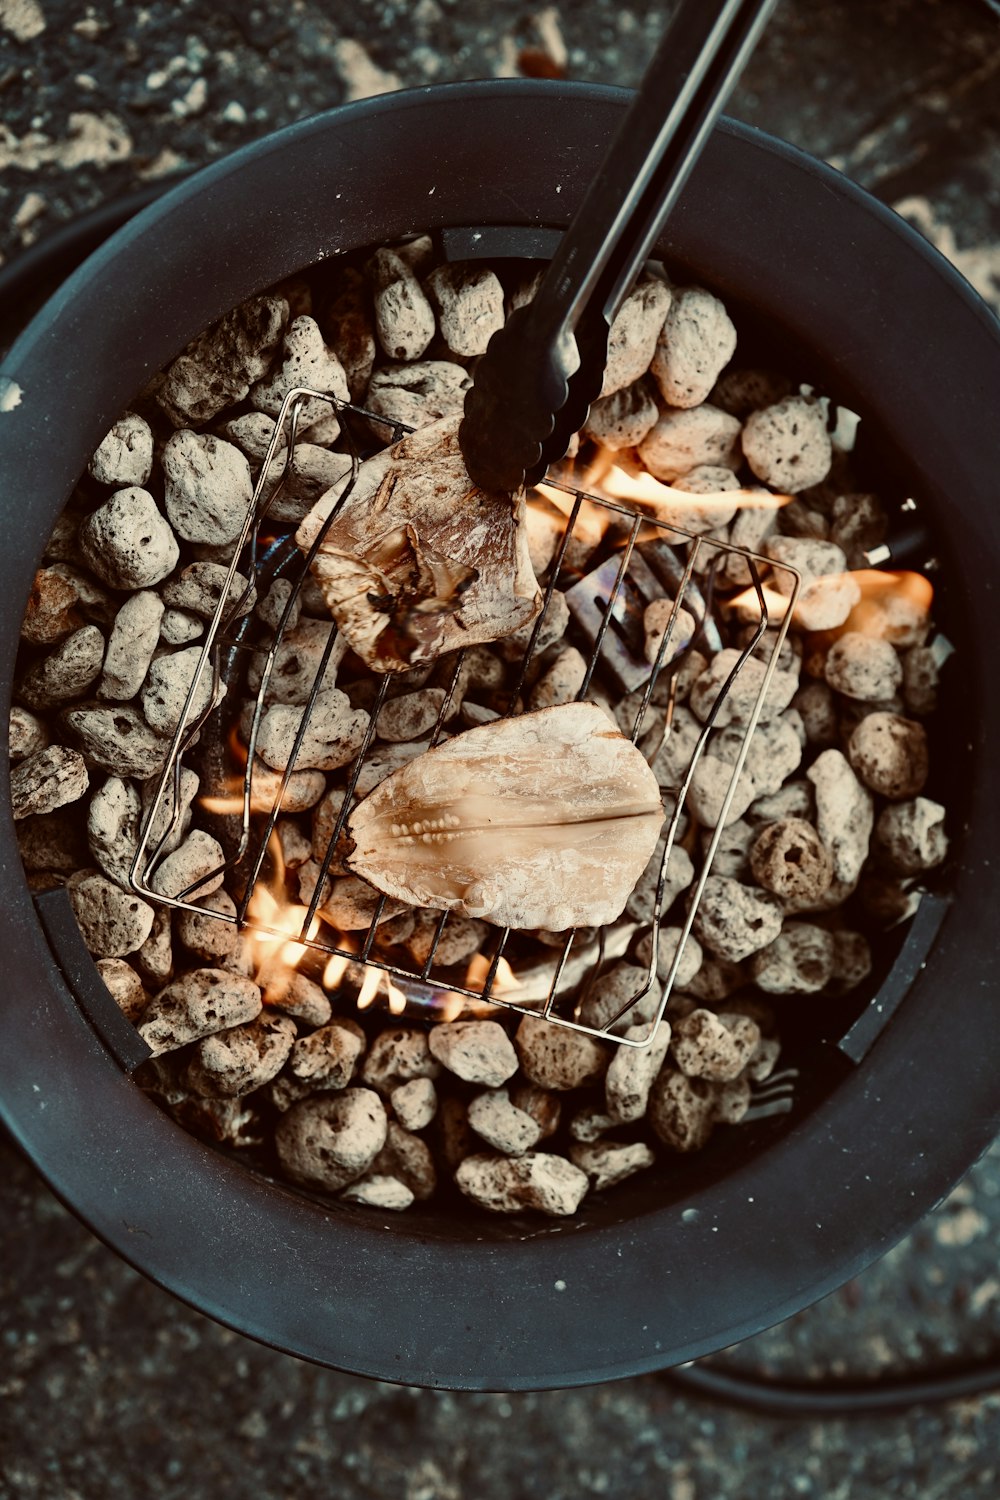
x,y
505,981
274,945
665,502
893,605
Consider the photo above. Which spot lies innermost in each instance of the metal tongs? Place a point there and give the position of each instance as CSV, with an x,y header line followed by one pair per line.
x,y
534,385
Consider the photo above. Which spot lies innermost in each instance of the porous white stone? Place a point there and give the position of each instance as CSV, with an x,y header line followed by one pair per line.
x,y
609,1162
125,455
167,685
468,299
734,920
134,637
112,922
126,541
844,813
207,487
696,341
508,1184
418,394
478,1051
330,1139
192,863
501,1124
66,672
306,361
219,366
787,445
682,440
632,1072
404,318
113,819
47,779
634,331
414,1103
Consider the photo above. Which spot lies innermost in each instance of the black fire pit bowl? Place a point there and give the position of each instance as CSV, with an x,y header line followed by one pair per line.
x,y
697,1253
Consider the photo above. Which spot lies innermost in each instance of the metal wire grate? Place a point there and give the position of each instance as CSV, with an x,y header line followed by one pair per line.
x,y
640,559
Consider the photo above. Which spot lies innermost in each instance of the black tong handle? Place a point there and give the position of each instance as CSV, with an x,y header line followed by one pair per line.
x,y
534,385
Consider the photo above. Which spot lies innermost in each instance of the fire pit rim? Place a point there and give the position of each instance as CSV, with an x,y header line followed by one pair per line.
x,y
557,1309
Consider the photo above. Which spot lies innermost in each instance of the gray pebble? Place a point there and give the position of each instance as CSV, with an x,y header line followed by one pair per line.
x,y
863,667
844,813
697,340
787,445
396,1055
678,876
501,1124
605,997
199,1004
199,587
155,959
738,705
508,1184
209,933
910,836
623,419
328,1057
798,962
25,734
113,819
192,863
178,627
219,366
414,1103
118,740
67,672
112,922
404,318
127,542
710,785
306,361
329,1140
632,1072
134,637
478,1051
47,779
377,1190
889,753
207,488
469,302
554,1057
334,733
668,939
299,996
124,986
561,681
682,440
633,335
735,920
407,1157
410,716
241,1059
681,1110
609,1162
718,1047
167,685
125,455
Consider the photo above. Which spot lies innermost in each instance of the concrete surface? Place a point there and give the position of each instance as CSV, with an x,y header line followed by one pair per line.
x,y
111,1388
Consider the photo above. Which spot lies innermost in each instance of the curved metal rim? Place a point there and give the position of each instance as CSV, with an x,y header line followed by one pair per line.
x,y
575,1303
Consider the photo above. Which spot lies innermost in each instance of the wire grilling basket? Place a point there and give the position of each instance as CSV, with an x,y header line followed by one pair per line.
x,y
641,559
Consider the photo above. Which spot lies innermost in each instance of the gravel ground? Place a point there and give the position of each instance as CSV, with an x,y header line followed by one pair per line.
x,y
112,1388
